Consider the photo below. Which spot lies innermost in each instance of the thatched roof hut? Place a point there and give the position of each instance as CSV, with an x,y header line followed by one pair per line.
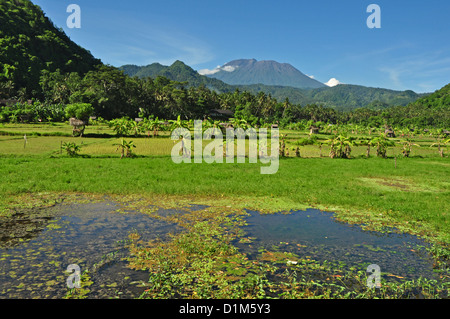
x,y
314,130
389,132
221,114
78,125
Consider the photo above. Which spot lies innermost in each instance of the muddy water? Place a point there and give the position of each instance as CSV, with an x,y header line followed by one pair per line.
x,y
36,249
317,235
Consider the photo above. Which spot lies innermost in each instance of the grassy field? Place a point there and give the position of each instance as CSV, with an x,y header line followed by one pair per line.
x,y
411,194
414,189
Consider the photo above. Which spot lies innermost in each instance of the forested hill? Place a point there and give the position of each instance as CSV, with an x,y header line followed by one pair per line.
x,y
38,61
440,99
178,71
30,43
349,97
341,97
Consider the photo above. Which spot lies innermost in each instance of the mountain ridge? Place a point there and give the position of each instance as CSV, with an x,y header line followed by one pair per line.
x,y
267,72
341,97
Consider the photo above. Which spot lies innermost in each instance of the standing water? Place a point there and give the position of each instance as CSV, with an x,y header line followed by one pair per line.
x,y
316,235
36,249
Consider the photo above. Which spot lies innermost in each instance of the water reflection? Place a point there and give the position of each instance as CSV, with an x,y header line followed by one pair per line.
x,y
317,235
91,235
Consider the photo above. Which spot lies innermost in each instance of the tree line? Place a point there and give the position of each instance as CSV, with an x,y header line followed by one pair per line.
x,y
112,94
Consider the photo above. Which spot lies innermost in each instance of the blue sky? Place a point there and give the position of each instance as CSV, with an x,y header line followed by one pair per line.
x,y
322,38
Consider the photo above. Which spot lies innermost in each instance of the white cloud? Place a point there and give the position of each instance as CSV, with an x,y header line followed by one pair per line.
x,y
311,76
227,68
209,72
332,82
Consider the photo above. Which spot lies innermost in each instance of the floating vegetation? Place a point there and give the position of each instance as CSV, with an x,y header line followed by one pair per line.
x,y
138,247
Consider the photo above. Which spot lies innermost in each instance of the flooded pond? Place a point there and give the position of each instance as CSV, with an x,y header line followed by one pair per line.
x,y
317,235
36,248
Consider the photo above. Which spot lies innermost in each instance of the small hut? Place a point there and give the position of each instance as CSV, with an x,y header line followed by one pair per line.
x,y
389,132
78,126
313,130
217,114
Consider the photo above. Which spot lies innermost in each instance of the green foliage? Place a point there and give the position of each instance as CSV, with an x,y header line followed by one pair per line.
x,y
126,148
340,146
35,112
437,100
39,61
81,111
30,43
71,148
121,126
381,142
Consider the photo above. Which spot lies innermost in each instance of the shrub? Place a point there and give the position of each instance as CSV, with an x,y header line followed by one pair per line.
x,y
71,148
81,111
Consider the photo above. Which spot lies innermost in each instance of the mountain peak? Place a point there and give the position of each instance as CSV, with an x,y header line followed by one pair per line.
x,y
268,72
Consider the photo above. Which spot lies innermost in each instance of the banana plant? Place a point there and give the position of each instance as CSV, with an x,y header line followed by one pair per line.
x,y
178,123
366,142
382,143
152,125
71,148
340,146
439,144
125,148
407,147
121,126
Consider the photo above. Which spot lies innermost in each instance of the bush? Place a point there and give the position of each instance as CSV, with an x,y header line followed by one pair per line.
x,y
71,148
81,111
306,141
